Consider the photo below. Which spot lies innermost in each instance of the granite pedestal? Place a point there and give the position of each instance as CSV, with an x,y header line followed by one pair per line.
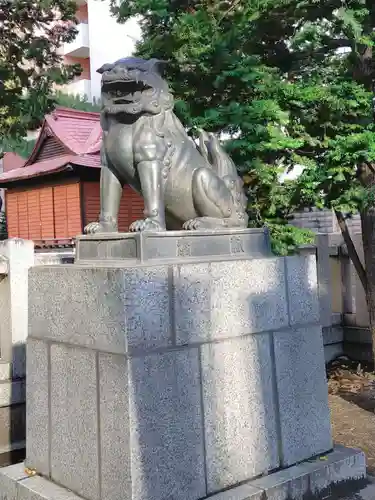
x,y
178,379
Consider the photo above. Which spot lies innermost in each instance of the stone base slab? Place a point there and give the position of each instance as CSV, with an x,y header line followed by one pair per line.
x,y
333,476
127,248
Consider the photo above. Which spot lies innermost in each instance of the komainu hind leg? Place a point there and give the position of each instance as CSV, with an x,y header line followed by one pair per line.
x,y
214,202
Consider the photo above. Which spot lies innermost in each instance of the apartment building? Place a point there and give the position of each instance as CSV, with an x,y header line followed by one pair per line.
x,y
100,39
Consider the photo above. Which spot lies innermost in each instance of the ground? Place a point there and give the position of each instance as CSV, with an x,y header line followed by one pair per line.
x,y
352,403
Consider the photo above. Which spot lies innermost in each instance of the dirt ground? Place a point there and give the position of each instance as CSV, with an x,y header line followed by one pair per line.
x,y
352,403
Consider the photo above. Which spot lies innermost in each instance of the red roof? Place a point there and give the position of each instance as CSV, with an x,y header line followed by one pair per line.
x,y
79,133
12,160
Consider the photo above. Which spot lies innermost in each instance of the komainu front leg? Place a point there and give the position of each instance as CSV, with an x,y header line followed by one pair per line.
x,y
150,175
215,203
110,197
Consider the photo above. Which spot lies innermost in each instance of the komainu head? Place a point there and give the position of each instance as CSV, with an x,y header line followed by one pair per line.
x,y
134,86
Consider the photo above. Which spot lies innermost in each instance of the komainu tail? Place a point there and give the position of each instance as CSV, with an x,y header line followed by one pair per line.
x,y
223,165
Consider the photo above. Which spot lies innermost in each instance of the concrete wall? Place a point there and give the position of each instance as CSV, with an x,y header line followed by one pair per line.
x,y
323,221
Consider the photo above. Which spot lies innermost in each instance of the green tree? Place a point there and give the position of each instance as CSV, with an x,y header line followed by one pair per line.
x,y
30,65
76,102
290,82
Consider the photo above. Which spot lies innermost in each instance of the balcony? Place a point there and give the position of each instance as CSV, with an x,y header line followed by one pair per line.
x,y
79,47
78,87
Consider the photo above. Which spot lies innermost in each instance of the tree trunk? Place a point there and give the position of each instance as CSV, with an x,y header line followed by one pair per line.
x,y
368,238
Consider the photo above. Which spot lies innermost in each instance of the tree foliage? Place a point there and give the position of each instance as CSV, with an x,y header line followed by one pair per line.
x,y
289,82
31,32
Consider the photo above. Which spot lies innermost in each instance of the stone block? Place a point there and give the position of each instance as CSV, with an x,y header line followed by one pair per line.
x,y
302,289
302,394
114,427
243,492
316,478
239,410
12,426
166,426
229,299
333,335
339,474
147,307
104,309
38,488
129,248
37,416
9,477
87,307
74,420
19,255
12,392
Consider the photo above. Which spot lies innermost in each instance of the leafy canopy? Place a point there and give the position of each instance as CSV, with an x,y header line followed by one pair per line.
x,y
288,81
31,32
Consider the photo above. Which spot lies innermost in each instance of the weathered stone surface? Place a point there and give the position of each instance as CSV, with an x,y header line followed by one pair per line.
x,y
243,492
302,394
12,426
316,477
105,309
37,417
341,474
38,488
20,257
166,426
229,299
87,307
147,307
74,420
333,335
302,289
114,427
192,301
239,410
12,392
9,477
126,248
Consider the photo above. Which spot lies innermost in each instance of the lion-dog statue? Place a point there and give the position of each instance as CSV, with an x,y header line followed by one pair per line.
x,y
195,187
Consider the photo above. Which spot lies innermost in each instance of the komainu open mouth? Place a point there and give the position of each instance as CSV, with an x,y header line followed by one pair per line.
x,y
123,91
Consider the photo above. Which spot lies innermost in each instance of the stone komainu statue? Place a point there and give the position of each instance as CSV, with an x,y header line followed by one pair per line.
x,y
146,146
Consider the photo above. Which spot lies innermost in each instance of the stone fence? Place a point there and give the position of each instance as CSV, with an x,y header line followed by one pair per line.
x,y
16,258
